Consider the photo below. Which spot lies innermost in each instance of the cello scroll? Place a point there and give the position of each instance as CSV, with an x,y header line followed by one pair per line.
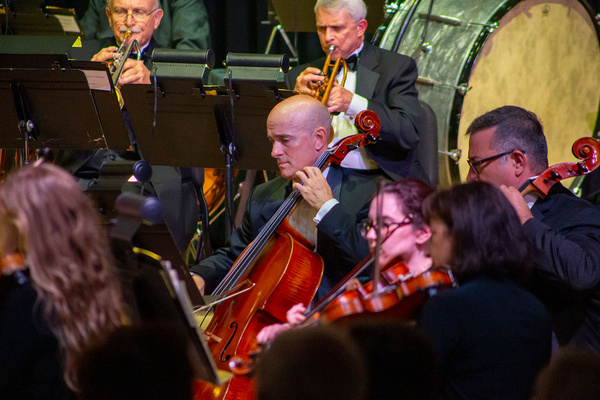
x,y
585,149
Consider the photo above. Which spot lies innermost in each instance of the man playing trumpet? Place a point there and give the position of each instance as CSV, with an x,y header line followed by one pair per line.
x,y
140,18
379,80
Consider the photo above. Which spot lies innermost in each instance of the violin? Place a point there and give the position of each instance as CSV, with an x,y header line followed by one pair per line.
x,y
402,297
585,149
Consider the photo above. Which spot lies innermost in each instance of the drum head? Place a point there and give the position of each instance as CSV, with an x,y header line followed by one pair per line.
x,y
541,55
545,57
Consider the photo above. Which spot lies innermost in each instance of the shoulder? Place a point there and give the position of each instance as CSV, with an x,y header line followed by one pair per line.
x,y
561,202
268,189
387,56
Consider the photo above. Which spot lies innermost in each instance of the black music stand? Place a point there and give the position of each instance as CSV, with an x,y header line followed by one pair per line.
x,y
51,102
154,288
207,126
32,17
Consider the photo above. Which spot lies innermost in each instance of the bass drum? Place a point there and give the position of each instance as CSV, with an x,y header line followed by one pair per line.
x,y
476,55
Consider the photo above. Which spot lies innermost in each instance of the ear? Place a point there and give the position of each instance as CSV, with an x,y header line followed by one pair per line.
x,y
422,235
361,27
321,138
107,11
158,14
520,163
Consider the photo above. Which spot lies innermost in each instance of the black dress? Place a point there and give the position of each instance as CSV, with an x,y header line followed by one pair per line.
x,y
30,366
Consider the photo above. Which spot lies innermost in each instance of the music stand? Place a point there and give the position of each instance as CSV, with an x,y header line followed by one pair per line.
x,y
27,17
49,103
207,126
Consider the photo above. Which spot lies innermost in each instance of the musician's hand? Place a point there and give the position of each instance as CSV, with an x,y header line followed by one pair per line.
x,y
313,187
518,202
200,284
307,81
106,55
134,71
339,99
268,333
295,315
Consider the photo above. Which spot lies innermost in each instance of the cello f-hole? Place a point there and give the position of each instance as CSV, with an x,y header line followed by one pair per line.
x,y
225,358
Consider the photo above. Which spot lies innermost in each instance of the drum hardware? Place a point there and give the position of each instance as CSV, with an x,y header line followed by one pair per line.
x,y
426,47
452,153
389,10
461,89
455,21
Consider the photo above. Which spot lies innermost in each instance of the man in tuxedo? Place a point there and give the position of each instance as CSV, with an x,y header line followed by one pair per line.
x,y
507,147
333,206
383,82
141,18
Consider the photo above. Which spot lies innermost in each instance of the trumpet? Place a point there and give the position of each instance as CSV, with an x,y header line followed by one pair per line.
x,y
324,89
116,68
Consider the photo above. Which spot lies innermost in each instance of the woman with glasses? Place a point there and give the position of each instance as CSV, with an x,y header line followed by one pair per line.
x,y
59,289
404,237
492,336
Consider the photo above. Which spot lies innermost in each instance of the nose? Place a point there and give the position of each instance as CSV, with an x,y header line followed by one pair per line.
x,y
275,150
329,35
371,234
129,19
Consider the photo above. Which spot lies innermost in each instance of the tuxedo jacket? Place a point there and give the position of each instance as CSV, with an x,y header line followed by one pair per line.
x,y
565,231
339,242
387,80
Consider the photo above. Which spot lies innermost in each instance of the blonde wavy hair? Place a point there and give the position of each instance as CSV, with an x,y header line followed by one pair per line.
x,y
68,256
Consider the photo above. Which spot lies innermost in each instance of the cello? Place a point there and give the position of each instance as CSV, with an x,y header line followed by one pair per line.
x,y
277,270
585,148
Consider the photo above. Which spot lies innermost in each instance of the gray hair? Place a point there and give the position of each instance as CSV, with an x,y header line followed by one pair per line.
x,y
355,8
156,4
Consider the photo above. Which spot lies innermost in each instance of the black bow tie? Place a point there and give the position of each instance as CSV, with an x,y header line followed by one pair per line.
x,y
351,62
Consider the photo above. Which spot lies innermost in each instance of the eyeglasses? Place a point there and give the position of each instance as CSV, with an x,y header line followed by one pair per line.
x,y
475,164
137,15
367,225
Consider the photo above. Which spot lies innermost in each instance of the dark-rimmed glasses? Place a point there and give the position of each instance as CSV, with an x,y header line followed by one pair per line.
x,y
137,15
475,164
366,225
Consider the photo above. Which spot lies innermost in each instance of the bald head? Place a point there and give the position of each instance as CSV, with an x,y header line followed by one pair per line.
x,y
298,128
302,112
